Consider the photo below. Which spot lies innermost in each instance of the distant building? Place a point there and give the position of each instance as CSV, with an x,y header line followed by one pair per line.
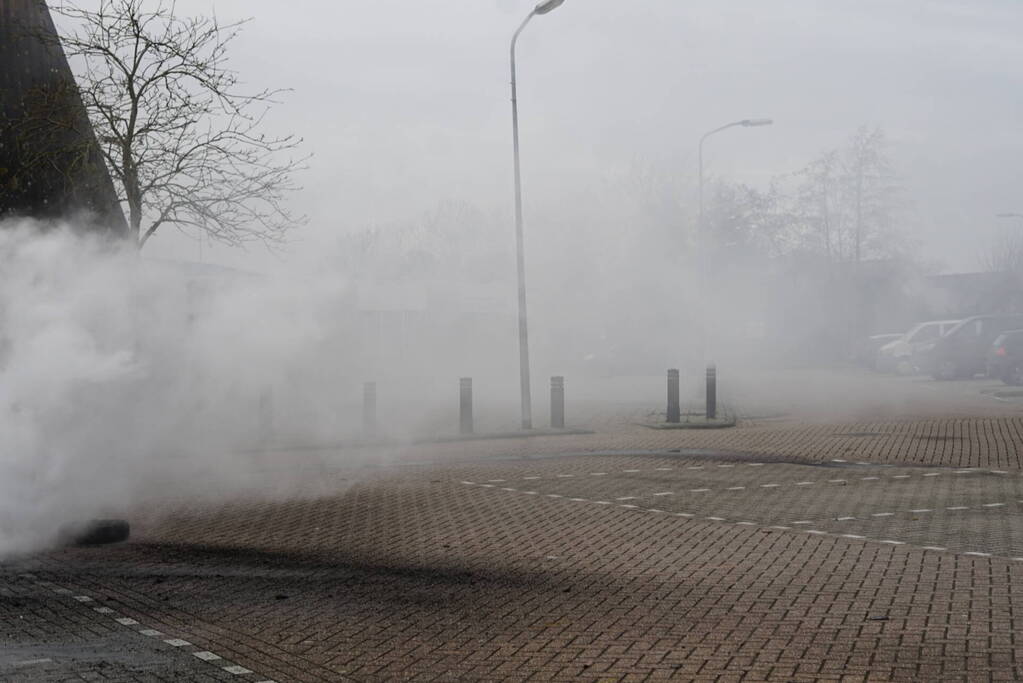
x,y
50,162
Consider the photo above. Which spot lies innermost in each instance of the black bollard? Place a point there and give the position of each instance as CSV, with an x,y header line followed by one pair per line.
x,y
465,405
712,392
674,412
557,402
369,409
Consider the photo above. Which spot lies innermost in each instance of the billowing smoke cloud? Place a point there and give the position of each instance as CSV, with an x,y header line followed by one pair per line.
x,y
125,380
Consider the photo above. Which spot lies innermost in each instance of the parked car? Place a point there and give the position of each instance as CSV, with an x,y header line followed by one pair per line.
x,y
865,353
900,355
962,351
1005,357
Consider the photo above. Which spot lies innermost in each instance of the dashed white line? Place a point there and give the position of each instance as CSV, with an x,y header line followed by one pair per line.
x,y
882,514
958,507
699,490
856,536
922,510
206,656
630,507
976,554
627,498
735,488
844,519
103,610
891,542
126,621
994,505
804,483
869,478
177,642
769,486
598,474
803,521
935,547
237,670
665,493
836,481
932,474
151,632
663,469
717,519
630,471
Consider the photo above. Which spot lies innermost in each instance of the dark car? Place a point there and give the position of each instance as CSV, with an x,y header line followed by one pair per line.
x,y
1005,357
962,351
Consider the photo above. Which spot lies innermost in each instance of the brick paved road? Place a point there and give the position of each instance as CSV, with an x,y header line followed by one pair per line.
x,y
774,551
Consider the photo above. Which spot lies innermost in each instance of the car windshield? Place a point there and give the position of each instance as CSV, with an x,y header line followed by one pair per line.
x,y
923,332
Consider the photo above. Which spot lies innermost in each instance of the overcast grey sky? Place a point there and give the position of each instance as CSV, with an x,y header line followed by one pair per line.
x,y
405,104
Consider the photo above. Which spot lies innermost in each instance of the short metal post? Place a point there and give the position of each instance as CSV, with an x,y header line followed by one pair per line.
x,y
465,405
674,412
369,408
712,392
557,402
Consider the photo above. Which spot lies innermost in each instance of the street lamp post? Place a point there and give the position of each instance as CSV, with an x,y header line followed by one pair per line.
x,y
701,227
520,254
746,123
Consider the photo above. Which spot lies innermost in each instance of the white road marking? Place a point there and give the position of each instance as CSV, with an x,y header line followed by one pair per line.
x,y
554,495
735,488
994,505
746,523
663,469
665,493
103,610
932,474
976,554
236,670
815,531
726,465
882,514
756,464
683,514
602,502
901,476
769,486
565,476
891,542
125,621
699,490
32,662
958,507
717,519
529,478
934,547
206,656
836,481
845,519
177,642
83,598
857,536
631,507
630,471
653,510
870,478
837,460
530,493
922,510
627,498
598,474
151,632
998,472
495,481
782,528
469,483
803,521
804,483
578,500
505,488
695,467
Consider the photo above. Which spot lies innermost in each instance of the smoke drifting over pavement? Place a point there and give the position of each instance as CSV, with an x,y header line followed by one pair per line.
x,y
124,380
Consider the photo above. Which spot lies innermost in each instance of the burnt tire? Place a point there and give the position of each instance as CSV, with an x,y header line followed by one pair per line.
x,y
102,532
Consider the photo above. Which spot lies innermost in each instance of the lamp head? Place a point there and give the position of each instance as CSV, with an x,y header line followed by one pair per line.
x,y
756,122
546,6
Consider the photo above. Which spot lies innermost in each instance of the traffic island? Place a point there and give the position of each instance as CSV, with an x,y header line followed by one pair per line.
x,y
695,421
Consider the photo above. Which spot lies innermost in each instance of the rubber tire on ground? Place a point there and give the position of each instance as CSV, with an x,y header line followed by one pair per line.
x,y
102,532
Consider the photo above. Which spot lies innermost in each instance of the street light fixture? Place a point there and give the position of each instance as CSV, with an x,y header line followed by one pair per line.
x,y
527,408
701,228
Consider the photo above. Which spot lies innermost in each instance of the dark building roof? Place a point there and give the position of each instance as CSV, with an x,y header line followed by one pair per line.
x,y
50,162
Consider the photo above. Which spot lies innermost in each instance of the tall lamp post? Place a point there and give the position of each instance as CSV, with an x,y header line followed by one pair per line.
x,y
746,123
520,254
701,227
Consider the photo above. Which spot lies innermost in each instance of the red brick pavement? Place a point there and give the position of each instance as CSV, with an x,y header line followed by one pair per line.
x,y
409,575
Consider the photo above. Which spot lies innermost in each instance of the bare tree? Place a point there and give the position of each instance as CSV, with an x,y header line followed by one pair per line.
x,y
179,134
1005,255
850,199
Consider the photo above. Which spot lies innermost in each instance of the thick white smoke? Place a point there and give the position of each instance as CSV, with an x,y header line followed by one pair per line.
x,y
125,380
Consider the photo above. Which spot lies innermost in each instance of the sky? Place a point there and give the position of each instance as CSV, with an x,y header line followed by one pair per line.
x,y
404,105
